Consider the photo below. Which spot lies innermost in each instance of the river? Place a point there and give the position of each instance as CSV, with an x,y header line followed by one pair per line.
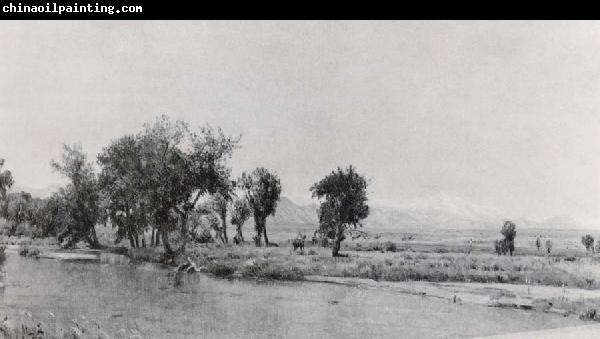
x,y
150,300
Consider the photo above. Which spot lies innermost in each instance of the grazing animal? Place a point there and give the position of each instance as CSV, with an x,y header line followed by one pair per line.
x,y
299,242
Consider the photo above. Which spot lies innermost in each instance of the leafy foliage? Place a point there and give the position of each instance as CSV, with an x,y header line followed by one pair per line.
x,y
121,182
262,190
240,213
588,242
549,245
6,182
509,231
80,198
344,205
179,166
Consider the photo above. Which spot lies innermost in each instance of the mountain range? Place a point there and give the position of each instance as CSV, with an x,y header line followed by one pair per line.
x,y
438,211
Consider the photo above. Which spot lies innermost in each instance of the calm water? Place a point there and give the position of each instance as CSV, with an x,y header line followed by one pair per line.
x,y
151,300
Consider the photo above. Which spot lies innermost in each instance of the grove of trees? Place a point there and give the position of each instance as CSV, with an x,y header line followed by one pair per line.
x,y
169,180
173,182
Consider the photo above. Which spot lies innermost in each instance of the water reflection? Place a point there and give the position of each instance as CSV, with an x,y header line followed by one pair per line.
x,y
157,302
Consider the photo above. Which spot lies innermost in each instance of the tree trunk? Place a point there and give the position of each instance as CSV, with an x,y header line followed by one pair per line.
x,y
239,233
13,229
337,242
94,243
224,226
184,233
137,241
143,240
152,243
157,238
258,229
166,243
335,249
131,241
264,229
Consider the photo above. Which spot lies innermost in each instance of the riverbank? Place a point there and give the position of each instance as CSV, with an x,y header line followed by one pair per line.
x,y
380,262
155,302
486,278
567,286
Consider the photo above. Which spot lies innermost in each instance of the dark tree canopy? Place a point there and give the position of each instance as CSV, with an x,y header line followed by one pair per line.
x,y
50,216
180,166
588,242
509,231
80,197
121,182
6,182
344,203
240,213
549,245
219,204
262,190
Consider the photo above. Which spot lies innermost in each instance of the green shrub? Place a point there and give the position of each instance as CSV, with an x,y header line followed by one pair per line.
x,y
29,252
390,246
265,270
220,270
23,251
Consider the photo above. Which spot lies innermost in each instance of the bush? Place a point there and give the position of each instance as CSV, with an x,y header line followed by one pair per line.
x,y
220,270
264,270
29,252
23,251
147,254
390,246
282,273
203,236
590,314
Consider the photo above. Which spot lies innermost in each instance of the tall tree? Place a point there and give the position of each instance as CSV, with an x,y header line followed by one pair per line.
x,y
344,204
262,190
6,181
50,216
20,210
588,242
219,203
509,231
80,197
121,182
240,213
180,166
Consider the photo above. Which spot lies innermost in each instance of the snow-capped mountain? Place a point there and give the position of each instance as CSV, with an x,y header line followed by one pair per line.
x,y
439,211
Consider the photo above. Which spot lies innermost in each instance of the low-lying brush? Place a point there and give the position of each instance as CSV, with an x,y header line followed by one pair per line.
x,y
378,246
220,269
149,254
29,252
268,271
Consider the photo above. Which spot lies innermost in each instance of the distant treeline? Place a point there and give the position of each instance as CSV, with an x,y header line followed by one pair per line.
x,y
173,182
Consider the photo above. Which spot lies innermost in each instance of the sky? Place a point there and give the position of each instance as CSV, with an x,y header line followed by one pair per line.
x,y
503,114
